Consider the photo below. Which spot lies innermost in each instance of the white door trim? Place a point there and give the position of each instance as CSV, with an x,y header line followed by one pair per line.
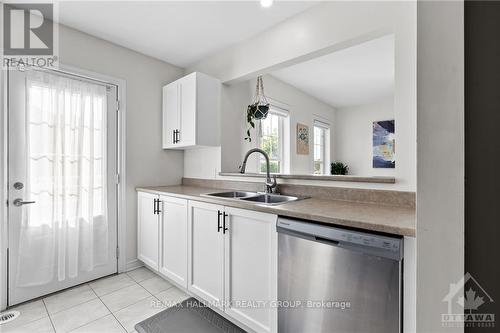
x,y
121,150
3,191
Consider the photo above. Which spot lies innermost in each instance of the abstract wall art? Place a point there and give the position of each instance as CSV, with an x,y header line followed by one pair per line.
x,y
384,144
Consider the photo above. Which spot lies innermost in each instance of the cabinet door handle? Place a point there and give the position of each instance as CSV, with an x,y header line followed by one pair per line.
x,y
224,223
173,136
177,136
219,227
158,211
156,206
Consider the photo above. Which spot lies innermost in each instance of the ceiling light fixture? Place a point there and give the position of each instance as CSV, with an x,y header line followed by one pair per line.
x,y
266,3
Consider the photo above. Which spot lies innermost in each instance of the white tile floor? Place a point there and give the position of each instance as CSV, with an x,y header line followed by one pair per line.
x,y
111,304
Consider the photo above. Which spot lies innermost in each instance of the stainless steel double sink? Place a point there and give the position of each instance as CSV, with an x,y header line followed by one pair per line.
x,y
256,197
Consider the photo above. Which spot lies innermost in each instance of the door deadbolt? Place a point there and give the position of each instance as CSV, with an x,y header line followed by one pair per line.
x,y
18,185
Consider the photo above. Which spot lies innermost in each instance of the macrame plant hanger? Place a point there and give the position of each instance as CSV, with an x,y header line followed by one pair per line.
x,y
258,110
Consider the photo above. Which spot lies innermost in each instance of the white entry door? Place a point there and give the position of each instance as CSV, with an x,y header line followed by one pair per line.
x,y
62,206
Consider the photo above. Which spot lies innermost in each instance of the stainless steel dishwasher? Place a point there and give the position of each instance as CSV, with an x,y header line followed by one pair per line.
x,y
332,279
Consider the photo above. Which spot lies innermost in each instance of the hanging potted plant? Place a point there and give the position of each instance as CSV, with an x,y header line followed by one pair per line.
x,y
259,108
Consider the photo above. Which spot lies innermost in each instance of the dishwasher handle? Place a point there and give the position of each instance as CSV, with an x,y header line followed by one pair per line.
x,y
353,240
327,241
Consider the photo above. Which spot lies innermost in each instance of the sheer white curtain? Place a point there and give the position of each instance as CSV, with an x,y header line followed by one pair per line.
x,y
66,231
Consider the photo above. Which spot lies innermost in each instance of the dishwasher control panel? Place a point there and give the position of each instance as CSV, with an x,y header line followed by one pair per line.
x,y
368,240
368,243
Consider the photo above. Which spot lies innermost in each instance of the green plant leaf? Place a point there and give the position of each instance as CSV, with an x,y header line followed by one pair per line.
x,y
339,168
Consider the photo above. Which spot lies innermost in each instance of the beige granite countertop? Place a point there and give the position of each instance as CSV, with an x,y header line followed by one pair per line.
x,y
388,219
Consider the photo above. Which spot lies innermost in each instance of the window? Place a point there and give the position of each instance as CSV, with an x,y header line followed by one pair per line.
x,y
273,141
321,148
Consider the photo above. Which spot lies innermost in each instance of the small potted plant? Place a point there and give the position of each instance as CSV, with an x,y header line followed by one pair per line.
x,y
339,168
259,109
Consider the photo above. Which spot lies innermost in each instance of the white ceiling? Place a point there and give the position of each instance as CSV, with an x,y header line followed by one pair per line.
x,y
180,33
354,76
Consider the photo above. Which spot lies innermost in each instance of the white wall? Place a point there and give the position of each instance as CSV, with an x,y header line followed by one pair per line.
x,y
440,188
234,101
302,109
322,29
353,137
202,162
147,163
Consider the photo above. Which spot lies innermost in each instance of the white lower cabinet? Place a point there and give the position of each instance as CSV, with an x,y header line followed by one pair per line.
x,y
225,256
147,229
232,257
173,240
162,235
250,253
206,252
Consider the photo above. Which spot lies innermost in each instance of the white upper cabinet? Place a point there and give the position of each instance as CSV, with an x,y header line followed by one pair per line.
x,y
170,113
191,112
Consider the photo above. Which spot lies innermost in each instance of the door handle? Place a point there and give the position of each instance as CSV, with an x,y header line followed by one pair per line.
x,y
173,136
219,213
20,202
224,223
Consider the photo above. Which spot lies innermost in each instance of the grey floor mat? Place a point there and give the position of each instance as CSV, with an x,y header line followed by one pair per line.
x,y
190,316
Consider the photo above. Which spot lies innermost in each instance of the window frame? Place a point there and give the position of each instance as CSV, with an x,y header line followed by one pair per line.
x,y
326,127
283,124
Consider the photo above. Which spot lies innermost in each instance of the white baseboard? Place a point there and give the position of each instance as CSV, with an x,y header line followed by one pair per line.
x,y
133,264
